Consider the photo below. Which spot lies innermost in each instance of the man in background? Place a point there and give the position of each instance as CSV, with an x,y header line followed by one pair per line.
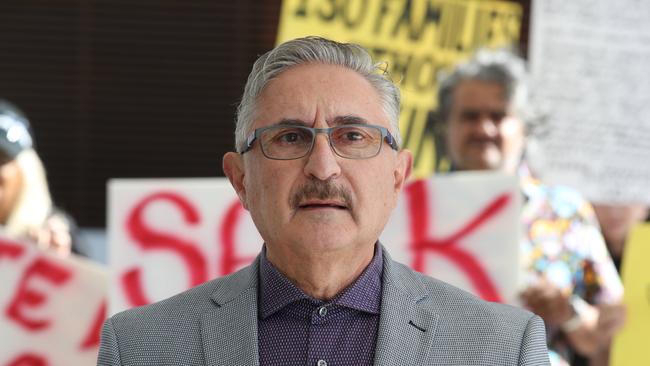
x,y
319,167
571,280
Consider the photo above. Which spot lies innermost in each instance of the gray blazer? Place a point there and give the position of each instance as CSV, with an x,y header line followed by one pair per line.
x,y
423,321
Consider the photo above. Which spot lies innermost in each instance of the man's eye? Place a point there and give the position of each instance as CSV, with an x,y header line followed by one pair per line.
x,y
470,116
353,136
497,117
350,136
290,137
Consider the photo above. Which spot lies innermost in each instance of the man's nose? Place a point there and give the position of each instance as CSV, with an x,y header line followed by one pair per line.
x,y
322,162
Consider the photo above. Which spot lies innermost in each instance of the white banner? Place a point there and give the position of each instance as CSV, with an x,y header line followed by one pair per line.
x,y
52,308
168,235
463,228
589,62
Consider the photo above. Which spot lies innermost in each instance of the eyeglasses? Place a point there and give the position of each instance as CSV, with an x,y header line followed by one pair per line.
x,y
351,141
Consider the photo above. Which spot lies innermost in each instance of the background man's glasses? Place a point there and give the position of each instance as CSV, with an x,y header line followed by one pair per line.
x,y
351,141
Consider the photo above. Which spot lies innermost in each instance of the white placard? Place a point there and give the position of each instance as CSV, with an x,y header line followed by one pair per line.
x,y
589,62
168,235
52,308
463,228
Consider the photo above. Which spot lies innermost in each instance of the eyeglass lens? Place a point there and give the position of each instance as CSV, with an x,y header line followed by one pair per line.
x,y
293,142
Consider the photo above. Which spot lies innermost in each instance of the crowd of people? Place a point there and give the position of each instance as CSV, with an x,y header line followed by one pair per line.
x,y
320,205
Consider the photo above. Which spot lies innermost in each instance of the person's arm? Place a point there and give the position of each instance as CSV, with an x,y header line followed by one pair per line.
x,y
109,353
581,326
533,346
594,338
588,328
599,323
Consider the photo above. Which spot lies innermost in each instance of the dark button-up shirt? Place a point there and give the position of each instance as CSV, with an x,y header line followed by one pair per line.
x,y
296,329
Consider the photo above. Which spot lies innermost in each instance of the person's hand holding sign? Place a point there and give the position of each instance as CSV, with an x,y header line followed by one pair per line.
x,y
548,301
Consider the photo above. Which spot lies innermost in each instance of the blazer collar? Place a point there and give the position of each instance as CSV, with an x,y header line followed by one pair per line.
x,y
229,332
406,326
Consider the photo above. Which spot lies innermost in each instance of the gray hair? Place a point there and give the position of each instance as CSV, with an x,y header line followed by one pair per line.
x,y
315,50
502,67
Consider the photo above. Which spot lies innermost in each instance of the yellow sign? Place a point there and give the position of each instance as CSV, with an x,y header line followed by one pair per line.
x,y
631,344
417,39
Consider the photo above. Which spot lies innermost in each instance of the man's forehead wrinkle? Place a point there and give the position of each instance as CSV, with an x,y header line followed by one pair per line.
x,y
348,119
338,120
291,122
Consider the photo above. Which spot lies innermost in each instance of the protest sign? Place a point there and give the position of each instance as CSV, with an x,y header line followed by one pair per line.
x,y
52,308
166,236
589,62
417,39
630,346
463,228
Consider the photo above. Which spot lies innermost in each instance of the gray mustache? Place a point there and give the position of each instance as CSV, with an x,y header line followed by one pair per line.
x,y
323,190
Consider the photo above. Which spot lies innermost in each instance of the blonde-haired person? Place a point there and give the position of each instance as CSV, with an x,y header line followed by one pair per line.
x,y
26,209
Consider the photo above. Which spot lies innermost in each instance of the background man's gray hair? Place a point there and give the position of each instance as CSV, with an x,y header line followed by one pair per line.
x,y
314,50
501,66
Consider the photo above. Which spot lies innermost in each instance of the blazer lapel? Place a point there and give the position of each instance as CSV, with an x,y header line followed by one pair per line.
x,y
230,331
406,329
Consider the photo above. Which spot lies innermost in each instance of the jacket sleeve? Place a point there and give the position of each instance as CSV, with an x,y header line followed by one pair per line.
x,y
533,346
109,352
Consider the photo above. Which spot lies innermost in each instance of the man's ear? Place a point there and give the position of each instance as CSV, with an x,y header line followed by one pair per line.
x,y
403,168
233,167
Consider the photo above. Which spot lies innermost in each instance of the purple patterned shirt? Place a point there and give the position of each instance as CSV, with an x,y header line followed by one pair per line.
x,y
296,329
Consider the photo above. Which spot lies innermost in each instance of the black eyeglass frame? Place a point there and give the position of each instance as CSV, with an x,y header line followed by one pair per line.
x,y
385,136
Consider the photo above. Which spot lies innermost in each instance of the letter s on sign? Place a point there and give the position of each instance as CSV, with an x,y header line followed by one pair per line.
x,y
29,297
28,359
149,239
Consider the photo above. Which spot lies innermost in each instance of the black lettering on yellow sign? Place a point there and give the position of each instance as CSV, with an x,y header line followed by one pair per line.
x,y
491,24
414,27
328,12
301,10
416,72
489,27
352,13
452,24
419,129
409,20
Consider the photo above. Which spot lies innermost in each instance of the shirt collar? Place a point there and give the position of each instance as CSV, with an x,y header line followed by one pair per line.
x,y
277,291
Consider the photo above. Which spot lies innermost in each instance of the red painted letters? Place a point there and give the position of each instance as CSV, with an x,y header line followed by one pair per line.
x,y
28,297
92,338
28,360
9,249
449,246
149,239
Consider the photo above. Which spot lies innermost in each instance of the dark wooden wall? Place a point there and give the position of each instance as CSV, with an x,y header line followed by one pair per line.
x,y
121,88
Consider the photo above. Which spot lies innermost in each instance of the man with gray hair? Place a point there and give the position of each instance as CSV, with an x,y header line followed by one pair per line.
x,y
571,281
319,167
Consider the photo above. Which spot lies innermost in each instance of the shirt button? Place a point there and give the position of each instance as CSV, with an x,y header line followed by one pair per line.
x,y
321,363
322,311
